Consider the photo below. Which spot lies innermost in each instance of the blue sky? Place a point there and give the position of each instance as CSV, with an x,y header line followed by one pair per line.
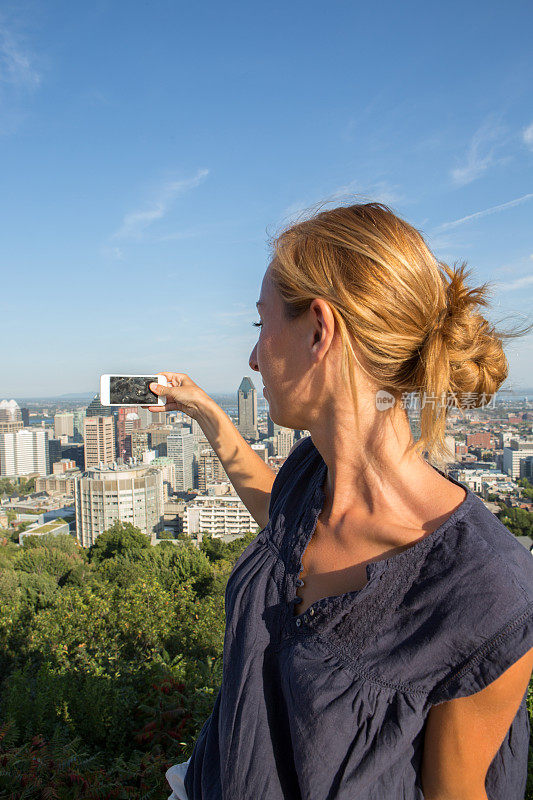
x,y
148,149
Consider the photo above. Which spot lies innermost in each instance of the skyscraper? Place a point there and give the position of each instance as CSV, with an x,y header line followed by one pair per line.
x,y
54,452
272,427
96,409
64,425
99,436
24,451
10,417
180,448
247,409
210,469
140,443
79,419
127,422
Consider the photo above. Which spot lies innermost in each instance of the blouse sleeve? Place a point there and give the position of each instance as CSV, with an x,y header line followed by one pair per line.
x,y
489,660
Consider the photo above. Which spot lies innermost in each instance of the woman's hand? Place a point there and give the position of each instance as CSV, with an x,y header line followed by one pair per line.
x,y
182,394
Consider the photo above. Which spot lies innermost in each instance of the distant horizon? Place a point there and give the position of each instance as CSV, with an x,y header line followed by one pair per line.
x,y
89,396
520,391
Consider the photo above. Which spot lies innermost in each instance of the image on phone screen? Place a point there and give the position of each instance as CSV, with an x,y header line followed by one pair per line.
x,y
132,390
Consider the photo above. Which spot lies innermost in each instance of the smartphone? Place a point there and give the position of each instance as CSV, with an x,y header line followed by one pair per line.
x,y
130,390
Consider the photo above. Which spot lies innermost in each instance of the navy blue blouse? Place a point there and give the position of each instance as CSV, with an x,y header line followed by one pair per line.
x,y
331,704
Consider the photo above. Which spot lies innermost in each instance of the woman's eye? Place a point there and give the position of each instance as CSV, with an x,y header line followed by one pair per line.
x,y
257,324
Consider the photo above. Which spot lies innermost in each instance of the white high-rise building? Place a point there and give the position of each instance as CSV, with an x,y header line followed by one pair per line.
x,y
180,448
105,496
517,451
24,452
284,441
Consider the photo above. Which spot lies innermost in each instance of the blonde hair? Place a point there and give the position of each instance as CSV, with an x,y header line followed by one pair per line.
x,y
414,319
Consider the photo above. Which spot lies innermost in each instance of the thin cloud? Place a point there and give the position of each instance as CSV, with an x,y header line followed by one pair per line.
x,y
519,283
354,191
135,223
485,213
115,253
379,192
19,78
527,136
192,233
16,62
480,155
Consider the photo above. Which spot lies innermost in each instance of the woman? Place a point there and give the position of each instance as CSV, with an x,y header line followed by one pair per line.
x,y
379,629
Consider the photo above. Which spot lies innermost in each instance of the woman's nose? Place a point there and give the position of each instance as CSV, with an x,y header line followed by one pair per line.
x,y
253,360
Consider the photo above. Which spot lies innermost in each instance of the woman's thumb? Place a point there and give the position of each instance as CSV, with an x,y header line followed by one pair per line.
x,y
158,388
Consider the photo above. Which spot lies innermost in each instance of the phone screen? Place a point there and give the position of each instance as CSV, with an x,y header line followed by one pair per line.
x,y
127,390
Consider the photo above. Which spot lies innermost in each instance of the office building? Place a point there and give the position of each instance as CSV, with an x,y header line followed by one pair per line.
x,y
168,472
54,451
75,452
25,412
24,452
272,427
516,452
99,437
284,440
247,410
127,421
78,422
210,469
141,441
96,409
180,448
64,465
526,468
105,496
158,438
62,483
149,418
10,417
63,425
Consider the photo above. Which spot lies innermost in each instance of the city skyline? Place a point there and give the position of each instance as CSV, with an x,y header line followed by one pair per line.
x,y
140,192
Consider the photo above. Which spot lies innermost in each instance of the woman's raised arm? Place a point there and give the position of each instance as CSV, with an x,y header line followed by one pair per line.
x,y
250,476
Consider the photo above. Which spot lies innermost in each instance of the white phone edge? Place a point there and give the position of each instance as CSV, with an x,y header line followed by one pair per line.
x,y
104,388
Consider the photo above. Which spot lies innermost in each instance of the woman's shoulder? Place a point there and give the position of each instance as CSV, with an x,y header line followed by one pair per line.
x,y
478,584
480,553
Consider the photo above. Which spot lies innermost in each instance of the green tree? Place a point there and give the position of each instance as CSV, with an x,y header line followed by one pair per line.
x,y
46,560
121,539
63,542
518,520
165,535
